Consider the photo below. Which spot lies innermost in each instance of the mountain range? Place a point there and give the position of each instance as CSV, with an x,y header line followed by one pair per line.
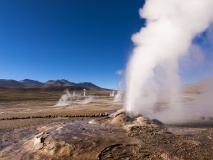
x,y
197,87
50,83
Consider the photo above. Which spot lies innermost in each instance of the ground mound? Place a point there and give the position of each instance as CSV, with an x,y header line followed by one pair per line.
x,y
45,145
127,121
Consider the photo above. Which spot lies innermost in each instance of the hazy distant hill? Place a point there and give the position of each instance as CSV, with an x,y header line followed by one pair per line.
x,y
10,83
31,83
200,86
58,83
88,85
49,84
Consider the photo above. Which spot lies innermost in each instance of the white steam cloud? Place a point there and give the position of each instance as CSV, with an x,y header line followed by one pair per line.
x,y
153,69
120,72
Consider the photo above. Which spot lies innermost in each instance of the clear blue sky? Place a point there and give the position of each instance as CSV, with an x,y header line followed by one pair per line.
x,y
77,40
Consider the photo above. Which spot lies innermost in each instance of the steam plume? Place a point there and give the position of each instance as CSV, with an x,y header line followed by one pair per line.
x,y
152,71
65,99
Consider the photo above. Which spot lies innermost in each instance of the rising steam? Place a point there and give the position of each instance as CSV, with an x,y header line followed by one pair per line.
x,y
152,72
65,99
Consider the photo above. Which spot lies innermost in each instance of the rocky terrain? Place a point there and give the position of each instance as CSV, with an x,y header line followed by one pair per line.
x,y
100,129
117,136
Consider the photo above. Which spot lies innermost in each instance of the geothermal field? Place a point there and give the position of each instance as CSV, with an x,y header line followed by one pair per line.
x,y
162,108
94,125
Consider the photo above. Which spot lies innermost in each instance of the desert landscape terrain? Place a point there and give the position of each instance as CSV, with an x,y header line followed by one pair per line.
x,y
32,127
137,80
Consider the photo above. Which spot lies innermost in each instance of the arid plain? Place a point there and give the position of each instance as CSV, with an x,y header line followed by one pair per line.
x,y
31,127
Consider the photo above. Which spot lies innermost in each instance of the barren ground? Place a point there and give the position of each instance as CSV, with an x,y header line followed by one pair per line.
x,y
35,129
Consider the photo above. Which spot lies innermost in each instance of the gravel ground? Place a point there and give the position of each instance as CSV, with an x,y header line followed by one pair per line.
x,y
37,130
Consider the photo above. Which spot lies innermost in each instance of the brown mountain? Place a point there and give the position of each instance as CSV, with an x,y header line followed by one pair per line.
x,y
88,85
10,83
57,84
31,83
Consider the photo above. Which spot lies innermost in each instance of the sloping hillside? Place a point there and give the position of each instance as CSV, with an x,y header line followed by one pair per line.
x,y
200,86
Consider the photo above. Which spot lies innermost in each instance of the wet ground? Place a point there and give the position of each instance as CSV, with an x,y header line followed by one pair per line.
x,y
37,130
67,140
81,140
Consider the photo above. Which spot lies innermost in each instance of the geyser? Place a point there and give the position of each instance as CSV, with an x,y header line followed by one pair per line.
x,y
112,94
118,96
65,99
152,71
87,100
84,92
